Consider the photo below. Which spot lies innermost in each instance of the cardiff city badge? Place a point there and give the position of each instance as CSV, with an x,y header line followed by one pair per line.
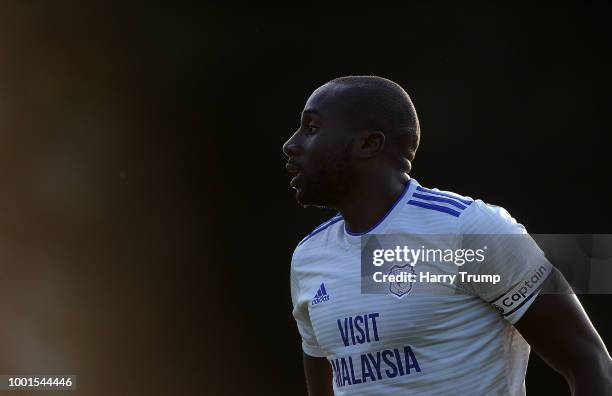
x,y
402,284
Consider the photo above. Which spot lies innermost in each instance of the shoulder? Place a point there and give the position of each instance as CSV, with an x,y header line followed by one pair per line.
x,y
468,215
306,260
432,211
484,218
435,200
319,236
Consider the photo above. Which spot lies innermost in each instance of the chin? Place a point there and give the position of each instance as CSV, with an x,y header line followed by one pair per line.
x,y
303,199
309,200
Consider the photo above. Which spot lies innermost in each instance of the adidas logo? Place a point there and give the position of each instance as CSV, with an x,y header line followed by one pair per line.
x,y
321,295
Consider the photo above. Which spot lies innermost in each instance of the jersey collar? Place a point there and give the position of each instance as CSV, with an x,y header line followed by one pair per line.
x,y
355,237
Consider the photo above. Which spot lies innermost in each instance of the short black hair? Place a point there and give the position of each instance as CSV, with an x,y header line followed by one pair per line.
x,y
378,103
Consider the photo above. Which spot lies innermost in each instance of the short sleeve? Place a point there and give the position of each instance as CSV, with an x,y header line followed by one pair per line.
x,y
514,268
302,319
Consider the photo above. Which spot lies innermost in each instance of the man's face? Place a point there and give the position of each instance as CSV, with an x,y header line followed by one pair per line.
x,y
320,150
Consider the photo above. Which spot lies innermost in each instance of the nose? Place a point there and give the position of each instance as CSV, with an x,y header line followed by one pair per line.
x,y
291,148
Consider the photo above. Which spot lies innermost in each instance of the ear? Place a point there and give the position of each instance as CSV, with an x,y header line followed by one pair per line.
x,y
370,144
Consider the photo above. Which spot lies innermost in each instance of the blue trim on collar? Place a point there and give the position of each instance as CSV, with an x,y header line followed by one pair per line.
x,y
384,217
334,219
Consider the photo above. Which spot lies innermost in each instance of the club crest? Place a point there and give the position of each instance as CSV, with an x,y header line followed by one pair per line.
x,y
401,288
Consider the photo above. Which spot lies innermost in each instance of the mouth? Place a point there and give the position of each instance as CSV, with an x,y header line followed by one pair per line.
x,y
295,171
295,182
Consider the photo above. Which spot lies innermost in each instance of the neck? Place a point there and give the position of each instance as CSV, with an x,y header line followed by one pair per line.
x,y
369,202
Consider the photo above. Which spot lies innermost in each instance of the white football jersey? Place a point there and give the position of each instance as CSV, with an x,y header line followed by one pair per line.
x,y
460,343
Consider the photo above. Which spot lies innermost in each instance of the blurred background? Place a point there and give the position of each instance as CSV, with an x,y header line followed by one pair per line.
x,y
146,222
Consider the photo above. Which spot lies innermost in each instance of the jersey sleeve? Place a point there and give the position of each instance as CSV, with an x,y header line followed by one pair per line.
x,y
516,265
302,319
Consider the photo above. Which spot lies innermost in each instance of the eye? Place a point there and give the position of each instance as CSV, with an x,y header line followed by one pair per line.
x,y
312,129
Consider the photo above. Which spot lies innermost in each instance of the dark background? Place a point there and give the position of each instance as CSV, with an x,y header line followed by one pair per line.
x,y
146,223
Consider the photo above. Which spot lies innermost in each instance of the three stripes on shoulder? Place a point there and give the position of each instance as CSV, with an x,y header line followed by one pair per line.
x,y
444,202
